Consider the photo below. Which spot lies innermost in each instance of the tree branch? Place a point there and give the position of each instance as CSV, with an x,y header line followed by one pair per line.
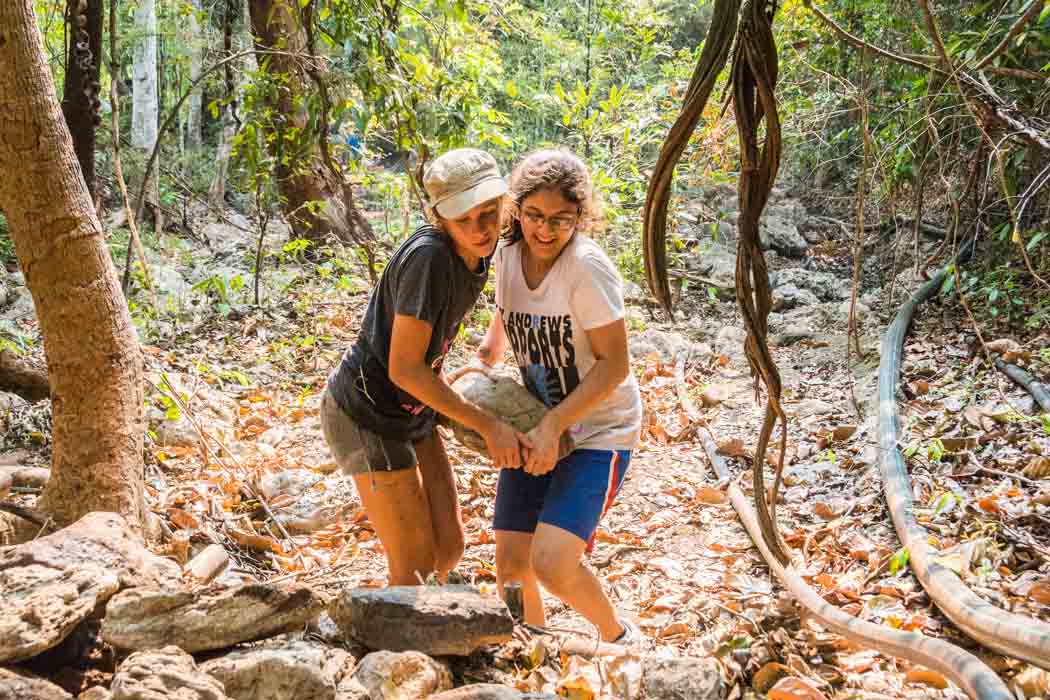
x,y
1029,14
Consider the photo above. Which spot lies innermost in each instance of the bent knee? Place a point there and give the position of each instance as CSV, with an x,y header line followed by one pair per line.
x,y
512,563
552,564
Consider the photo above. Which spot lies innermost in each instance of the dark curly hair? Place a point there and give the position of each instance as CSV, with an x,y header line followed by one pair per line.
x,y
553,169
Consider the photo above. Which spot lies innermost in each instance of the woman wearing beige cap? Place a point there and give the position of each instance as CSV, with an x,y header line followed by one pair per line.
x,y
379,410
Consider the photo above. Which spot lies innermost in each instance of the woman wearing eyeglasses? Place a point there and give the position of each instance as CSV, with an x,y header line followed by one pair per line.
x,y
560,309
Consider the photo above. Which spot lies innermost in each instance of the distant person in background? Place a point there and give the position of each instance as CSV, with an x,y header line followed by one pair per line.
x,y
378,412
560,309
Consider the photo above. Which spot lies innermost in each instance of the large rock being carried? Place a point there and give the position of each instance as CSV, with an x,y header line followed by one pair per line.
x,y
146,619
436,620
48,586
500,395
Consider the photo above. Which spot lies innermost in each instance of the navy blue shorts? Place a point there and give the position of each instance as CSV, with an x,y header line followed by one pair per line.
x,y
573,496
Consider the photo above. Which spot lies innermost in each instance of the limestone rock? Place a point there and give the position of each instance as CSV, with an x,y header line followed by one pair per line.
x,y
812,407
500,394
666,344
408,675
779,233
51,584
145,618
16,684
6,481
301,670
27,476
96,693
479,691
11,402
438,620
788,296
682,678
792,335
824,285
730,341
164,674
717,263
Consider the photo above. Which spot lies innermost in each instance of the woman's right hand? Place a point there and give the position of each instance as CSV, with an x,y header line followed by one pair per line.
x,y
504,444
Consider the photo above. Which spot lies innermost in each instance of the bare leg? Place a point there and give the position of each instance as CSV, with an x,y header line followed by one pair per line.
x,y
439,487
556,559
513,554
394,508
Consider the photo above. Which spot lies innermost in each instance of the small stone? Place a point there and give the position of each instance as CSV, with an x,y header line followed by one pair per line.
x,y
144,619
813,407
159,674
301,670
96,693
824,285
789,296
438,620
11,402
289,481
792,335
409,675
730,341
682,678
16,684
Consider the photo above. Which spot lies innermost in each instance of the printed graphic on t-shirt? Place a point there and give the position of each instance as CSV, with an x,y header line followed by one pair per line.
x,y
543,348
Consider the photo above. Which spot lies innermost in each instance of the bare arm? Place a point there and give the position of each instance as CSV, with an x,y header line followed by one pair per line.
x,y
612,364
408,368
494,346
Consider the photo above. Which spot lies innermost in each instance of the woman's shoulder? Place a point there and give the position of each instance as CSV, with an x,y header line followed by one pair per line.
x,y
428,242
585,251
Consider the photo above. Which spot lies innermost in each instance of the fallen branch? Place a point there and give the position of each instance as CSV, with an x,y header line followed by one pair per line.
x,y
961,667
1008,633
23,513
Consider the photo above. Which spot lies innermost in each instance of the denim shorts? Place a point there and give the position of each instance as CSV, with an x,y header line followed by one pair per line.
x,y
358,450
573,496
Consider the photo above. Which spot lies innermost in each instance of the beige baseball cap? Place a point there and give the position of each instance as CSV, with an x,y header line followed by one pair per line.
x,y
461,179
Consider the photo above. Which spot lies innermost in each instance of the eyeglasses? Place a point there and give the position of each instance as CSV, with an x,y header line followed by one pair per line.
x,y
559,224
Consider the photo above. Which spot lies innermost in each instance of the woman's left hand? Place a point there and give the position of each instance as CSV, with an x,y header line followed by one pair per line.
x,y
543,456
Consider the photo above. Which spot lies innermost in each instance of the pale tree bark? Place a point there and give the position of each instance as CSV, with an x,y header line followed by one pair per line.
x,y
196,48
145,104
281,42
93,356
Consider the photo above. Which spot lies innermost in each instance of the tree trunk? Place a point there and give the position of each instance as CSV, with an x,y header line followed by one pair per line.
x,y
80,94
196,48
276,27
145,105
94,360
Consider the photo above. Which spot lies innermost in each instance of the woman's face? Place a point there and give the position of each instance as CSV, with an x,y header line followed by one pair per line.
x,y
476,232
548,221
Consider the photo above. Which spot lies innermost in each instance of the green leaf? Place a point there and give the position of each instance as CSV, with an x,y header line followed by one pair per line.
x,y
899,562
1036,239
945,503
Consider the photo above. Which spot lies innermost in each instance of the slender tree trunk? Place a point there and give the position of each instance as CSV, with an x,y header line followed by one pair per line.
x,y
93,356
80,93
145,104
276,26
196,47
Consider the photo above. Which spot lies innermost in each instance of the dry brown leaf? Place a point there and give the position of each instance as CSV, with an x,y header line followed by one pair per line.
x,y
183,520
843,432
767,676
926,676
973,416
921,386
260,543
1042,499
958,444
1010,349
824,510
989,504
1040,592
575,687
794,688
676,629
1033,682
734,447
710,495
1038,468
861,661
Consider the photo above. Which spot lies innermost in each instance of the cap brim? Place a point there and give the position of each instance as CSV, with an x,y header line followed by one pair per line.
x,y
459,204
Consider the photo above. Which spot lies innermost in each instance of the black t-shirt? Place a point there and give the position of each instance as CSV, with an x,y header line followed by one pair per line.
x,y
425,279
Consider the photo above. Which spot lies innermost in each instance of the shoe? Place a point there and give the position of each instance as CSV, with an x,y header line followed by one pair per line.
x,y
631,636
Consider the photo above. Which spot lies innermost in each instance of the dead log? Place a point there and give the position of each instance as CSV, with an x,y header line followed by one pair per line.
x,y
19,377
499,394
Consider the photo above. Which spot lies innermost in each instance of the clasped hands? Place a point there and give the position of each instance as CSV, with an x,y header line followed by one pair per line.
x,y
535,451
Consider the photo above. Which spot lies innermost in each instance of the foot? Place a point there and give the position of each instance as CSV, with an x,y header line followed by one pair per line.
x,y
631,636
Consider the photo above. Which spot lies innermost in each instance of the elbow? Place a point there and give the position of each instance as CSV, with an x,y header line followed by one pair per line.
x,y
400,375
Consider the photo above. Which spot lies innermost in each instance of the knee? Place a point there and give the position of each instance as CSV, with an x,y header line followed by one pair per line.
x,y
449,550
512,563
553,566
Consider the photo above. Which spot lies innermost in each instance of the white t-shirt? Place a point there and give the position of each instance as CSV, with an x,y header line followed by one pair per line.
x,y
546,328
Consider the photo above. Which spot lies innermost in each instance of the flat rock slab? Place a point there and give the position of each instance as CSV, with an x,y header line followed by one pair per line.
x,y
407,675
286,671
437,620
682,678
16,684
51,584
164,674
480,691
142,618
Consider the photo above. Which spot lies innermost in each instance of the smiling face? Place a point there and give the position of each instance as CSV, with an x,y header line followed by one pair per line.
x,y
548,222
476,232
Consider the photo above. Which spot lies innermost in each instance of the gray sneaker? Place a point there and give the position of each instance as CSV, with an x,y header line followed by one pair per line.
x,y
631,636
